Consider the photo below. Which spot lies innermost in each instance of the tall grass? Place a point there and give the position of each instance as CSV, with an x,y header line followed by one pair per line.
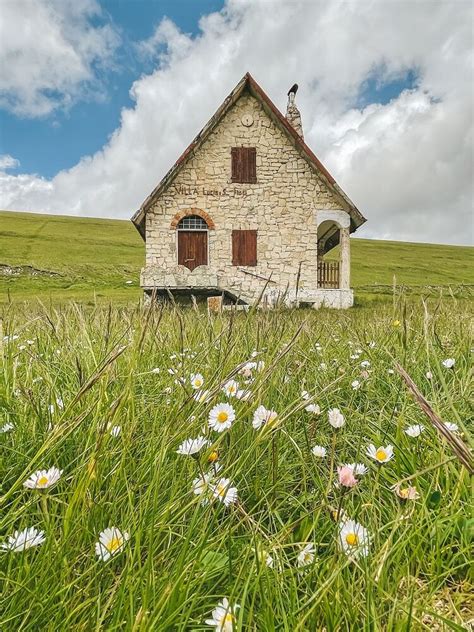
x,y
183,556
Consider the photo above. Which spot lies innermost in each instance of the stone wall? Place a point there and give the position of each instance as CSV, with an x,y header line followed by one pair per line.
x,y
280,206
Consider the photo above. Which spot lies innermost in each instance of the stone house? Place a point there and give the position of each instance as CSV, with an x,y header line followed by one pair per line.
x,y
248,213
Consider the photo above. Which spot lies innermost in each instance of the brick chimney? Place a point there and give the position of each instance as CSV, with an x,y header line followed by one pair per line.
x,y
293,115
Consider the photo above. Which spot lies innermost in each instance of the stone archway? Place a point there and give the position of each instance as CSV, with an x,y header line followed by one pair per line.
x,y
333,228
192,211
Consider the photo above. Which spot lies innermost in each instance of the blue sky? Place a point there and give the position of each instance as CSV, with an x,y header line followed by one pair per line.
x,y
47,145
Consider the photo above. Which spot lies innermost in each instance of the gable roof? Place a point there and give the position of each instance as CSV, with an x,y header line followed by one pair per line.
x,y
248,83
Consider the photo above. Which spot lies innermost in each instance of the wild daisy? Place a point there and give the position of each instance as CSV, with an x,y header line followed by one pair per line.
x,y
319,451
221,417
354,539
156,370
336,418
451,427
193,446
382,454
406,493
223,616
448,363
415,430
111,542
6,427
201,484
231,388
306,555
429,375
365,364
313,408
42,479
359,469
223,491
355,385
346,476
196,380
22,540
263,416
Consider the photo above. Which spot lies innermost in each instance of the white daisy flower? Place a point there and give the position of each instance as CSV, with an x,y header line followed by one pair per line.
x,y
223,491
390,371
196,380
22,540
359,469
43,478
193,446
365,364
156,370
336,418
313,408
354,539
201,484
355,385
323,366
111,542
221,417
263,416
319,451
429,375
305,395
415,430
306,555
6,427
451,427
231,388
372,344
223,617
355,356
382,454
448,363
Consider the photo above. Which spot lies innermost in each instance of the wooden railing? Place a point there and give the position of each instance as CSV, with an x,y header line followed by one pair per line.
x,y
328,274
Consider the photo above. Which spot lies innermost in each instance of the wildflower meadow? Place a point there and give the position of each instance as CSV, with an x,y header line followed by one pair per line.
x,y
169,469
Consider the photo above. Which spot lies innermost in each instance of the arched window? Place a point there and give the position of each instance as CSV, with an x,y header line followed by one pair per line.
x,y
192,241
192,222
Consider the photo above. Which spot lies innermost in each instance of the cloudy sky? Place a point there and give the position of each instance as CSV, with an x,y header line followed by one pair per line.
x,y
98,99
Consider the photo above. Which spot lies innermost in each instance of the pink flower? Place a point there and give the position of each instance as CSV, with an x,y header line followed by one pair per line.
x,y
346,476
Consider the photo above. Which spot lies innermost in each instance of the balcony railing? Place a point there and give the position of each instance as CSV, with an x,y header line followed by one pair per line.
x,y
328,274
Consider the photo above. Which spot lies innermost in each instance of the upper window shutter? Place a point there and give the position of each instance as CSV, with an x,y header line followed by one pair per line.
x,y
244,164
244,247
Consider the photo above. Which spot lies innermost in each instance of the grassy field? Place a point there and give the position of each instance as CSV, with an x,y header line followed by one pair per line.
x,y
88,259
106,396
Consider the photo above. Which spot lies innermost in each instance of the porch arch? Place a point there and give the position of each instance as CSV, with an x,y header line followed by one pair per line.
x,y
333,228
192,211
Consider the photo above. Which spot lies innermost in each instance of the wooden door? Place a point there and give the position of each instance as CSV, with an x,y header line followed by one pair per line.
x,y
192,248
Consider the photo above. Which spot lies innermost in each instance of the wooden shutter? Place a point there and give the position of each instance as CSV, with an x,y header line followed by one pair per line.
x,y
244,164
244,247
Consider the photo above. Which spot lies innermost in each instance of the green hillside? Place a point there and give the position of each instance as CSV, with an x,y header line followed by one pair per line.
x,y
60,257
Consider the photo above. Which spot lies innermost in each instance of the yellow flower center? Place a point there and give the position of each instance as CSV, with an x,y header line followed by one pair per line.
x,y
213,456
228,618
42,481
114,544
380,455
396,323
352,539
403,493
307,557
221,490
197,383
222,417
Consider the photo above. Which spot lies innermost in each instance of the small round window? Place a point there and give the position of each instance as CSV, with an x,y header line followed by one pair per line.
x,y
192,222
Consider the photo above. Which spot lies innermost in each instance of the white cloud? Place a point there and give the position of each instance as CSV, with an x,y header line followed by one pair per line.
x,y
50,50
406,164
8,162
